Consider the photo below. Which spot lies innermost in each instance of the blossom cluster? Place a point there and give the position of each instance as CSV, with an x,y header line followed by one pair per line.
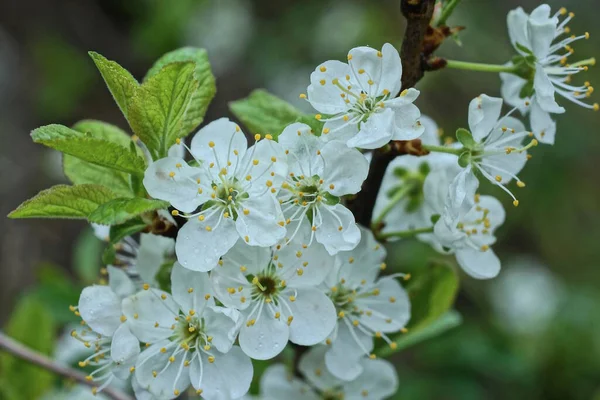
x,y
268,253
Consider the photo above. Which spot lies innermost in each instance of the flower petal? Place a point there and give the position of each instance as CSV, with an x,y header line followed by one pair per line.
x,y
479,264
277,383
375,132
314,317
323,94
150,314
152,253
338,230
124,350
266,338
189,288
344,352
391,308
407,123
222,324
100,308
173,180
484,112
312,365
544,93
302,147
511,91
265,163
541,30
169,379
228,377
218,143
340,129
379,380
263,224
376,71
542,125
345,168
461,196
199,249
516,21
119,282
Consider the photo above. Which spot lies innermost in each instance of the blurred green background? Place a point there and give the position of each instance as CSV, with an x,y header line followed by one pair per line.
x,y
532,333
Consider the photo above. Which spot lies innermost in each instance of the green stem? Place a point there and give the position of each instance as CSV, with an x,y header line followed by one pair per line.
x,y
442,149
447,11
480,66
404,234
393,201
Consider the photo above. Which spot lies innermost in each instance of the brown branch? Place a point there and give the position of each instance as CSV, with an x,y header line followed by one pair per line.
x,y
418,15
18,350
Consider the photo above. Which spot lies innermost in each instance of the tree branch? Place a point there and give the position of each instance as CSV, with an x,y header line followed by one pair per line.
x,y
19,350
418,15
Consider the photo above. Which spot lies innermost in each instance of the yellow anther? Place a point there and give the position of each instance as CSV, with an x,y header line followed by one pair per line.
x,y
302,96
335,81
379,54
596,107
199,392
318,117
292,298
322,69
562,11
349,57
123,318
135,316
351,260
269,183
328,341
211,359
206,296
341,314
242,299
171,174
208,228
299,271
355,322
516,203
322,81
372,356
201,218
383,266
246,238
176,392
361,71
178,141
163,350
520,184
171,359
163,296
325,131
255,162
257,137
392,299
211,144
498,178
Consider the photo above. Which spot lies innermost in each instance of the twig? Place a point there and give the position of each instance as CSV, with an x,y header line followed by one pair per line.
x,y
418,15
19,350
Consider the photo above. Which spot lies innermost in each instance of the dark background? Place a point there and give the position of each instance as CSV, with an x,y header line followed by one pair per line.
x,y
532,333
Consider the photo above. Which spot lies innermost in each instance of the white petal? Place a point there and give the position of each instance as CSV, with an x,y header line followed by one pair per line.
x,y
461,195
379,380
198,249
407,96
302,147
407,123
338,129
265,162
266,338
392,303
344,352
544,93
102,232
152,253
312,366
391,70
226,138
181,189
431,134
517,27
124,350
119,282
375,132
228,377
484,112
542,125
276,383
314,317
506,133
263,225
182,280
496,213
100,308
323,95
223,325
139,391
329,233
345,168
384,72
479,264
168,380
511,91
436,185
177,150
147,308
541,33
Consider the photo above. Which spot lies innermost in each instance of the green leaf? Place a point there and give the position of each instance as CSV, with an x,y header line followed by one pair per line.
x,y
316,125
87,256
120,82
89,148
465,137
264,113
118,232
118,211
432,292
158,109
31,325
57,292
205,91
449,320
63,201
464,159
80,172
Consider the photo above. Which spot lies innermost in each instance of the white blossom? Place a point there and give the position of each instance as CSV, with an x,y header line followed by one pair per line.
x,y
367,306
537,38
275,289
377,381
403,181
496,151
466,225
319,174
236,187
114,348
359,99
189,340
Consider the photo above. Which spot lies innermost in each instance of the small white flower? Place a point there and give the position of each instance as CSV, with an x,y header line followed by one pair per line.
x,y
190,340
537,39
236,187
466,225
275,291
403,185
494,148
377,381
360,99
319,174
366,306
115,348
